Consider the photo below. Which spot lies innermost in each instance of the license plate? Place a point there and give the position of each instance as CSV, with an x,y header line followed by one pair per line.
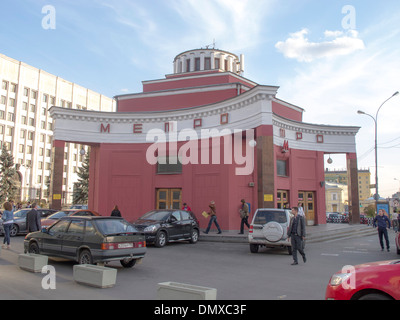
x,y
125,245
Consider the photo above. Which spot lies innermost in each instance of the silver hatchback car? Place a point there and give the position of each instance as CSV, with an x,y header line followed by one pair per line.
x,y
269,229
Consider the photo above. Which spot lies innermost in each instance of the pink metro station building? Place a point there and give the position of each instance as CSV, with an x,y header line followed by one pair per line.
x,y
204,133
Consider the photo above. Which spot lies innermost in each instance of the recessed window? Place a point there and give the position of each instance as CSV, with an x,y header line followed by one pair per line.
x,y
169,165
197,64
281,168
207,63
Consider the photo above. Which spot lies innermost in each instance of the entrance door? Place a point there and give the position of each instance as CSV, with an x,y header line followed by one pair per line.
x,y
169,199
282,199
306,198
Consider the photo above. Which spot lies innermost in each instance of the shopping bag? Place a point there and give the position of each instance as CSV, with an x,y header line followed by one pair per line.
x,y
205,214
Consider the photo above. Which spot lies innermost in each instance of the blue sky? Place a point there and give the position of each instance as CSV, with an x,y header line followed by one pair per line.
x,y
327,60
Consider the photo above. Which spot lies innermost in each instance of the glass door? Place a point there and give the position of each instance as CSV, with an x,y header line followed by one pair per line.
x,y
169,199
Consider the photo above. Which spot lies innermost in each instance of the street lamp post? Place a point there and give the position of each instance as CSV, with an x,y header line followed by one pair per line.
x,y
376,145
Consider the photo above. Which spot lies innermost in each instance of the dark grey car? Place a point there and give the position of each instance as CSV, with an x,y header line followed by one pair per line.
x,y
89,240
163,226
19,225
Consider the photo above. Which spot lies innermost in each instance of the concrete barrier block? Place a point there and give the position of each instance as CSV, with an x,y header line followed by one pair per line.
x,y
95,276
32,262
181,291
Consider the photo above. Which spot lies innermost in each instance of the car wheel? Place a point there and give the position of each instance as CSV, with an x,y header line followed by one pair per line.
x,y
195,236
34,248
14,230
290,251
375,296
161,239
128,263
85,257
254,248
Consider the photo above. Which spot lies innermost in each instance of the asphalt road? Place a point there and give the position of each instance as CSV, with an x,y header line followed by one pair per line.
x,y
236,273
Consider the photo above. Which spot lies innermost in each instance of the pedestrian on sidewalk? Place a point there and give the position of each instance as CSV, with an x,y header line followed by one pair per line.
x,y
381,223
297,234
301,210
244,215
213,218
8,220
33,219
115,212
186,207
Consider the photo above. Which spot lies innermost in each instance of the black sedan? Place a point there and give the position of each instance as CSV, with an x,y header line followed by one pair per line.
x,y
89,240
163,226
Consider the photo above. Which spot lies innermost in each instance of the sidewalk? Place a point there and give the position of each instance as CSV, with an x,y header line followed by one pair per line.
x,y
320,233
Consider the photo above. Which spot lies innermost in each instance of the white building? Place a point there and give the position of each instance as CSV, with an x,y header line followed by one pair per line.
x,y
26,128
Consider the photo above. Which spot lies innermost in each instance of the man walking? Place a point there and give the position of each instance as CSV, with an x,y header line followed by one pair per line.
x,y
381,222
297,234
33,222
244,215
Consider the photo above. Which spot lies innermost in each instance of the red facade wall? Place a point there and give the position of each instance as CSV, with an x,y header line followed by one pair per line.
x,y
123,177
178,101
120,175
305,173
184,82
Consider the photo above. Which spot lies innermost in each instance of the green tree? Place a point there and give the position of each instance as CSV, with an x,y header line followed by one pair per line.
x,y
81,188
8,187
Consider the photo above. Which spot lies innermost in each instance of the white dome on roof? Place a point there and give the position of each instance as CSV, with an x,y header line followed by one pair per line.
x,y
208,59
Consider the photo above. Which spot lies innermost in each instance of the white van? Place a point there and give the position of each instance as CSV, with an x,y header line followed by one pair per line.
x,y
269,229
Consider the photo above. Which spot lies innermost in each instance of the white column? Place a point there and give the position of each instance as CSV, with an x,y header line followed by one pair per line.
x,y
202,61
222,61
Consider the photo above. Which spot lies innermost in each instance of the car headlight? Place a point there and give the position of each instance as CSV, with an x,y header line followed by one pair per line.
x,y
150,229
339,278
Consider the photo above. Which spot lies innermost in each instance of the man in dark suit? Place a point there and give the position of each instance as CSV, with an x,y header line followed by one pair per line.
x,y
33,222
297,233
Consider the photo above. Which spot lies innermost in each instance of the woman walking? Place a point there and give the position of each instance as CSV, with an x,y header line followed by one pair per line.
x,y
8,220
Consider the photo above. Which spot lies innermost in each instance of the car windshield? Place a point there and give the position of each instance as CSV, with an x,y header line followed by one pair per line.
x,y
156,215
114,226
59,214
21,213
264,217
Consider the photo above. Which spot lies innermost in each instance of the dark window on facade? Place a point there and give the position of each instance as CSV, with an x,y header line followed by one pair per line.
x,y
169,165
197,64
216,62
207,63
281,168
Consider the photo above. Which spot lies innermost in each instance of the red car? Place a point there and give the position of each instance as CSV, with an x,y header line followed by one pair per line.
x,y
369,281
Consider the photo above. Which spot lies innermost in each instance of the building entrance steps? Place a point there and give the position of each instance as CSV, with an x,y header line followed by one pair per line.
x,y
320,233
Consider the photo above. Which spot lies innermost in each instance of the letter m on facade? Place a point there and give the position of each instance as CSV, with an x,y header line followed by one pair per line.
x,y
105,128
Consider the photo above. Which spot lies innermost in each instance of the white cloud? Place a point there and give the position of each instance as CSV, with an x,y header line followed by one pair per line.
x,y
299,47
332,90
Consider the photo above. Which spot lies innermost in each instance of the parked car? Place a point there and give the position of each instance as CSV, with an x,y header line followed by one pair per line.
x,y
67,212
79,206
88,240
335,217
269,229
19,225
163,226
398,242
369,281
